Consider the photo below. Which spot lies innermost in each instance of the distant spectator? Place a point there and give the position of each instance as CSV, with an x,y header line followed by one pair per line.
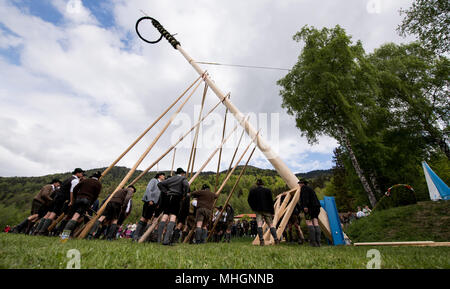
x,y
360,214
7,229
367,211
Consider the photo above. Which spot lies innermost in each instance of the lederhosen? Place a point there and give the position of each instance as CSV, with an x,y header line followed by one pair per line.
x,y
59,204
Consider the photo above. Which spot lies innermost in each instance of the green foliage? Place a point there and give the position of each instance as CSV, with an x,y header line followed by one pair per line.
x,y
429,20
425,221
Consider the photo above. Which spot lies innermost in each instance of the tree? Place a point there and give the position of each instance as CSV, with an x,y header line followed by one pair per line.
x,y
329,90
429,20
414,88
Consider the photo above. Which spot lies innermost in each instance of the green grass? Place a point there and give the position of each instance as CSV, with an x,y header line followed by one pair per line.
x,y
20,251
425,221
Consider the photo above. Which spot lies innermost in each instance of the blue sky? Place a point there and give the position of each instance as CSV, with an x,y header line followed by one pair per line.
x,y
77,85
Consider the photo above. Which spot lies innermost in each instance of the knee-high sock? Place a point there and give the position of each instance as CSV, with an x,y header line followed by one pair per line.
x,y
183,235
169,232
198,235
29,226
204,235
176,235
112,232
94,228
19,228
318,232
39,226
273,231
312,235
44,228
260,234
139,228
161,230
70,225
61,226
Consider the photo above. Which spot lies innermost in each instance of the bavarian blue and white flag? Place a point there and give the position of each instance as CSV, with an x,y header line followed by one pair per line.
x,y
436,187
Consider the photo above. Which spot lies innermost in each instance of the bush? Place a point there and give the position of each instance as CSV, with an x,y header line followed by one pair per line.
x,y
399,196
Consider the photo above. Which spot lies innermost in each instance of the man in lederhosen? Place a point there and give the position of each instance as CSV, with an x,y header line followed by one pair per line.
x,y
310,205
84,195
172,192
261,202
39,206
111,215
205,202
151,202
60,202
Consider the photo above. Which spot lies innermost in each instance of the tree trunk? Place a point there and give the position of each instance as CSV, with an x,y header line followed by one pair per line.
x,y
375,185
359,171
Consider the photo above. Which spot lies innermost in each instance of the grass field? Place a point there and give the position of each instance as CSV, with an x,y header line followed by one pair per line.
x,y
20,251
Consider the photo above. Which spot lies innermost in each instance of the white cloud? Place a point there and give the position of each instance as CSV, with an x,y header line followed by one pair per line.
x,y
82,93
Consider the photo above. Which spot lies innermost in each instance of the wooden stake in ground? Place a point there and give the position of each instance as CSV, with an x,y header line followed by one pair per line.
x,y
147,130
133,169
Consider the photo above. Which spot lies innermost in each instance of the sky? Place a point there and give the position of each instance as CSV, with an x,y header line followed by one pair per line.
x,y
77,85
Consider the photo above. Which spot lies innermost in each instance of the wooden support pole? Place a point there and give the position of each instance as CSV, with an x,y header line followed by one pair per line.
x,y
150,229
236,150
220,153
230,194
173,160
173,146
189,235
234,168
133,169
212,155
283,170
147,130
190,167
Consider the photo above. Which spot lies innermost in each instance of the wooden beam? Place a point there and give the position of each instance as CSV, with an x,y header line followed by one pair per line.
x,y
147,130
283,170
408,243
133,169
230,194
150,229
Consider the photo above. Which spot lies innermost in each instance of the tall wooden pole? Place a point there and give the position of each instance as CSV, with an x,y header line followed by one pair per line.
x,y
283,170
212,155
220,153
147,130
133,169
173,161
190,167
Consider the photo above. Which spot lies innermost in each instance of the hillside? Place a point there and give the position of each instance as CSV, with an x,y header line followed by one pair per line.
x,y
424,221
16,193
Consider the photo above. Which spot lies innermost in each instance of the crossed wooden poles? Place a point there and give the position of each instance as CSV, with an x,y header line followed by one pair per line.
x,y
282,169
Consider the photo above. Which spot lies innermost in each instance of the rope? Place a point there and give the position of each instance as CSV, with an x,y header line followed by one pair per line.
x,y
241,65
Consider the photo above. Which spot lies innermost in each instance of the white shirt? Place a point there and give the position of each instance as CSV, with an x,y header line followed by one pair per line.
x,y
360,214
74,183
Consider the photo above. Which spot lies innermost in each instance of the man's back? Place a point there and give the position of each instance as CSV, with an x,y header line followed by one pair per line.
x,y
176,185
260,200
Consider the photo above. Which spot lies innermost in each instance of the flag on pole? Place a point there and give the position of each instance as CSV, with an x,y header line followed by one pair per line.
x,y
436,187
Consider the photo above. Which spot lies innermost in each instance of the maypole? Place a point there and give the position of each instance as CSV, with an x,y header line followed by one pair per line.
x,y
285,173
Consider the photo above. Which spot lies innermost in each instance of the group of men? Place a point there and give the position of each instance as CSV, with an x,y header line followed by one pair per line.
x,y
61,207
170,208
261,201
